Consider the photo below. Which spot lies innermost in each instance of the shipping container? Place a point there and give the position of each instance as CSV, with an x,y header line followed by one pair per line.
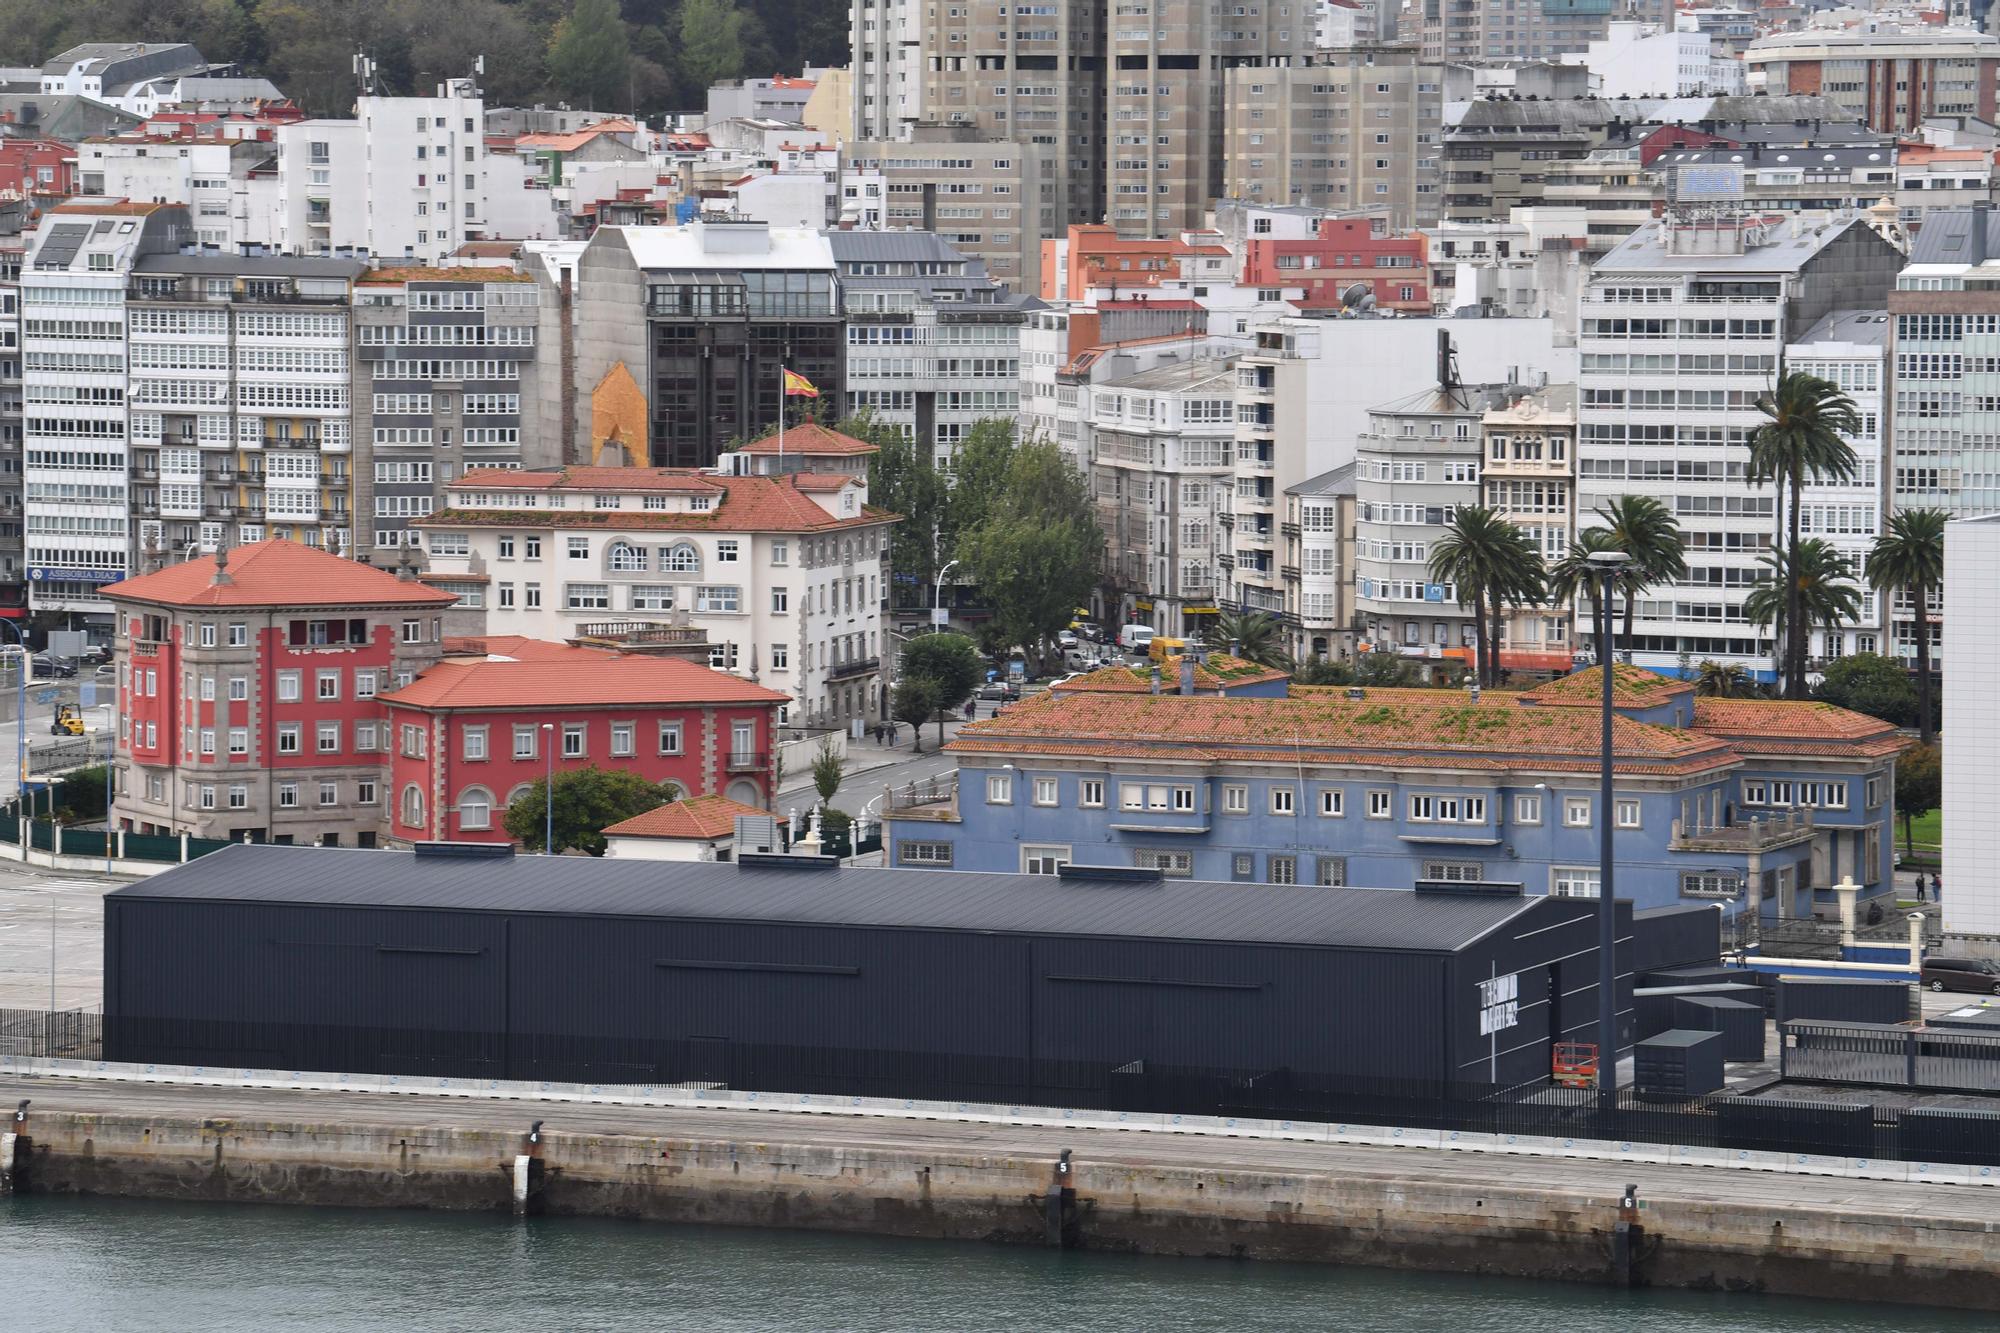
x,y
1741,1025
1684,935
1678,1063
1839,1000
863,981
1654,1005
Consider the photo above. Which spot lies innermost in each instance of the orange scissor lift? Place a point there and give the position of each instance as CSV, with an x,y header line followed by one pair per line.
x,y
1575,1064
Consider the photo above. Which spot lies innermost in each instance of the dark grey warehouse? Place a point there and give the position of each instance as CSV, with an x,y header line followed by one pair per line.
x,y
881,982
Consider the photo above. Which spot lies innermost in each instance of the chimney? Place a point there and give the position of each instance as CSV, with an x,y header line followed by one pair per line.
x,y
222,578
1155,675
406,568
1187,675
1982,218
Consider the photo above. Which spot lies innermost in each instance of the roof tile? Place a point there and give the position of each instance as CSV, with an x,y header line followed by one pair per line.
x,y
277,573
702,817
557,682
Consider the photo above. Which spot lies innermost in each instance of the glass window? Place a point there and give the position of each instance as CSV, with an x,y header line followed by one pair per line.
x,y
622,743
1332,803
999,789
1573,881
1576,812
1045,791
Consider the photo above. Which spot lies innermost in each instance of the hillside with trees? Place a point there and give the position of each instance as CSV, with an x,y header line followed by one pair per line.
x,y
645,55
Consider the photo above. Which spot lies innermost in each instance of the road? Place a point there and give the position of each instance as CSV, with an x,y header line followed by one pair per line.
x,y
44,911
1600,1180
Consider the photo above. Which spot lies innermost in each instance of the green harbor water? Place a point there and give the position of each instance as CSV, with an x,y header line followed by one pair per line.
x,y
108,1266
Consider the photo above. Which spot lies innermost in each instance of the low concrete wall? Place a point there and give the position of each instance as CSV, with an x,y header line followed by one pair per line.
x,y
1397,1219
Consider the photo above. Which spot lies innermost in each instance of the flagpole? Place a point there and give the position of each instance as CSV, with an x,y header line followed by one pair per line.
x,y
781,420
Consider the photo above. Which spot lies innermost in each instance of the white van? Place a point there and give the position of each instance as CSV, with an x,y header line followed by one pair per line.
x,y
1135,638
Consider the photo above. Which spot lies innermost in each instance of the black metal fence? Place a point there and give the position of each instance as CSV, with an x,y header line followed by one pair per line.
x,y
65,1034
1846,1129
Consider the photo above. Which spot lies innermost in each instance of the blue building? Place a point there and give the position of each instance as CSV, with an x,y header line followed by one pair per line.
x,y
1753,804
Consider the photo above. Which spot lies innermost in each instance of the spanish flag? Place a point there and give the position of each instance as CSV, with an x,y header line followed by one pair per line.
x,y
798,386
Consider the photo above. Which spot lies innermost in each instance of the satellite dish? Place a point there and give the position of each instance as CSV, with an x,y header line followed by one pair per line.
x,y
1352,296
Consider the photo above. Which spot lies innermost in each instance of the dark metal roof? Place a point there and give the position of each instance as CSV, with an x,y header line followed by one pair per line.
x,y
1391,919
252,266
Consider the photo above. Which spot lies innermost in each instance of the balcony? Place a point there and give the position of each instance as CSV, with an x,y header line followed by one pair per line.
x,y
1289,529
747,761
935,799
644,636
1781,829
854,666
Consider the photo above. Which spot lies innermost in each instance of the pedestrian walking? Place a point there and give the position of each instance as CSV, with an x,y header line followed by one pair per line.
x,y
1920,886
971,709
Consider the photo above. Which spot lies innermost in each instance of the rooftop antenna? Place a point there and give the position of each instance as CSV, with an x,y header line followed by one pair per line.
x,y
364,71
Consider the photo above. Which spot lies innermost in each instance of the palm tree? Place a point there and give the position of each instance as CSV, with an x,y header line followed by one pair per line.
x,y
1254,635
1820,582
1801,440
1492,562
1723,680
1646,530
1574,573
1909,557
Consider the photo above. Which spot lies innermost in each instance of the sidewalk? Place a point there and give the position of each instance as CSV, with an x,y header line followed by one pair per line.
x,y
866,756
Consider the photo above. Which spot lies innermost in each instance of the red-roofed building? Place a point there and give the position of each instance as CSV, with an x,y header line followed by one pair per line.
x,y
36,169
281,692
469,738
700,829
247,692
781,568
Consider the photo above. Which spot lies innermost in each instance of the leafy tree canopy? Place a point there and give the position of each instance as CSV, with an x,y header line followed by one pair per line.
x,y
587,801
1877,686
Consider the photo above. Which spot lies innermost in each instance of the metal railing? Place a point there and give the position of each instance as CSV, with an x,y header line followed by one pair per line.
x,y
1748,835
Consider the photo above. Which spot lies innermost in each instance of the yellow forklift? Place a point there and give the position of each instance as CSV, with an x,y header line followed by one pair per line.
x,y
68,721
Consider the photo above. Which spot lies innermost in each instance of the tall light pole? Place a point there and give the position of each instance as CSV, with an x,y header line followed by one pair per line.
x,y
110,766
1606,567
549,790
938,621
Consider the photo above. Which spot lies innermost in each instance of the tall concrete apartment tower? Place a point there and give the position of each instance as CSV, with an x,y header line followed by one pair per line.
x,y
1131,93
1456,30
884,36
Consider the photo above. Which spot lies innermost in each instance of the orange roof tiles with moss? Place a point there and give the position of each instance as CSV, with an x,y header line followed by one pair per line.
x,y
703,818
1218,671
1447,731
620,681
1631,687
276,573
1796,727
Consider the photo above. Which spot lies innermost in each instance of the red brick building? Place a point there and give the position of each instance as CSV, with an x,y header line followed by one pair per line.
x,y
37,169
471,736
283,693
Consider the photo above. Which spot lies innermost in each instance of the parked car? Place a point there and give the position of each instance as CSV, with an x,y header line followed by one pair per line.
x,y
47,667
999,691
1967,974
1066,638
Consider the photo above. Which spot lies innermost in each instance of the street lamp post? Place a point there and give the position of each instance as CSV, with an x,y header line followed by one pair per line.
x,y
110,767
1606,566
937,595
549,790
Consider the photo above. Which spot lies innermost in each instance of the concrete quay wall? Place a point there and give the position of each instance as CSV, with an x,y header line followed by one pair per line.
x,y
1412,1216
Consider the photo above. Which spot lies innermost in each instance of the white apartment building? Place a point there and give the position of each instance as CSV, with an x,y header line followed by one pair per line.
x,y
409,179
886,41
783,571
933,344
1637,59
1415,466
78,509
1849,348
1972,760
1319,564
175,398
1683,327
1527,476
1162,447
232,201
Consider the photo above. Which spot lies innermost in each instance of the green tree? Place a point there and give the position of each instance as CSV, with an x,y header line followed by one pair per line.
x,y
1723,680
1919,786
1909,558
1323,671
1037,554
1257,638
826,771
1383,671
904,479
1877,686
711,47
1491,562
916,702
1803,439
587,801
590,54
982,468
1574,574
1647,531
950,662
1818,584
80,798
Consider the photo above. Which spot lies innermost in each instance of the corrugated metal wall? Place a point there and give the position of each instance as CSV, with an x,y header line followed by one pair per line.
x,y
845,1008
